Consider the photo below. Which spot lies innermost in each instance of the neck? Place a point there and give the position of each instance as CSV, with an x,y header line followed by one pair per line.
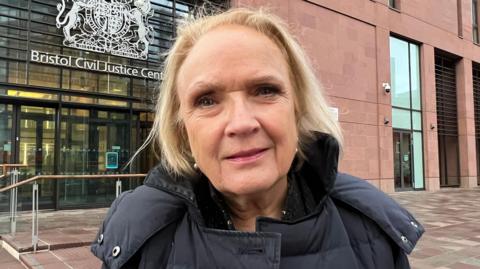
x,y
245,209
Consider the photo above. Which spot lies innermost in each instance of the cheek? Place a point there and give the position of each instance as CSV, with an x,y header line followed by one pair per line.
x,y
280,124
200,137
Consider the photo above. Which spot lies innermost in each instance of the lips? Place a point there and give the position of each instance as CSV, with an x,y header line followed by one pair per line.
x,y
247,155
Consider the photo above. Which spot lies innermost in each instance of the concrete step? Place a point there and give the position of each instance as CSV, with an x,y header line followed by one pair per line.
x,y
68,258
52,239
7,261
64,241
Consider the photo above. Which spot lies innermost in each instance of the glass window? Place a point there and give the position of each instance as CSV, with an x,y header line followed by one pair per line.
x,y
401,119
114,84
43,18
107,102
3,71
44,75
18,3
28,94
14,72
400,74
13,33
417,121
6,114
39,7
43,28
83,81
45,47
418,160
13,12
77,99
13,48
47,38
139,87
415,77
392,3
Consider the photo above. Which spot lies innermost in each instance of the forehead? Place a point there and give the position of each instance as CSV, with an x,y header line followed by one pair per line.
x,y
232,52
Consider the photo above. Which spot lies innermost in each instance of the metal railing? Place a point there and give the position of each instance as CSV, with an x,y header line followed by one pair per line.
x,y
15,184
14,173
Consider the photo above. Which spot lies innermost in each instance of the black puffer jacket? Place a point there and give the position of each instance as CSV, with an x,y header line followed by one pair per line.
x,y
166,223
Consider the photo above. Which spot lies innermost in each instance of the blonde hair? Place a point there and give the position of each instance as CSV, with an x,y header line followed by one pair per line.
x,y
168,134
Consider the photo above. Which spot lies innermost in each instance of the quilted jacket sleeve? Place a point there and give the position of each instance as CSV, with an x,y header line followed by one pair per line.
x,y
133,219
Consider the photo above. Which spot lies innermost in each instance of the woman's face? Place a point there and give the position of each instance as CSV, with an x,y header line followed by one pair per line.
x,y
237,105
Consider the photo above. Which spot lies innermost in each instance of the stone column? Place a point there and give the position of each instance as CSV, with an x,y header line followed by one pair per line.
x,y
429,114
466,124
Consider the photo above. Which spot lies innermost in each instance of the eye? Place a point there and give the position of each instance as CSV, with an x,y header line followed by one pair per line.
x,y
205,101
267,91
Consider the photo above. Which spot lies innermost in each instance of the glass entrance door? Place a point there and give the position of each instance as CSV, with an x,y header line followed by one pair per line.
x,y
6,146
86,138
36,149
6,125
27,136
402,160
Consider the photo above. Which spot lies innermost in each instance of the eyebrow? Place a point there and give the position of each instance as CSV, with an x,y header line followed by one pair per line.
x,y
206,86
265,79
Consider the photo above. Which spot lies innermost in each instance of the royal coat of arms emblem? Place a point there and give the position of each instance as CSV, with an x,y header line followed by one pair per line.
x,y
116,26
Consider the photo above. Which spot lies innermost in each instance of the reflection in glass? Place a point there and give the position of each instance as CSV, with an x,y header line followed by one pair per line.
x,y
6,149
77,99
12,72
5,133
81,80
114,84
406,113
418,160
29,94
86,137
399,69
401,118
415,76
37,143
402,160
44,75
417,121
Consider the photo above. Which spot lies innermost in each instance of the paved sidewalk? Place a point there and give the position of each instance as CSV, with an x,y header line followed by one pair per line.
x,y
451,218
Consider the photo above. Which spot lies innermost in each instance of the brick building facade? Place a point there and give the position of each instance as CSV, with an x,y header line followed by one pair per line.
x,y
403,76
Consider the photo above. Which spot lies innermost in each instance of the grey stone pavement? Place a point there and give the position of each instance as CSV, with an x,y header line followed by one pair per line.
x,y
451,218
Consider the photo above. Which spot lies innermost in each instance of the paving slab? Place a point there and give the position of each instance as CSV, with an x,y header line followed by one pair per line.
x,y
451,218
68,258
9,262
451,241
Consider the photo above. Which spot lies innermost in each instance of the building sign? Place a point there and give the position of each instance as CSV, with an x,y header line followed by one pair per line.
x,y
93,65
118,27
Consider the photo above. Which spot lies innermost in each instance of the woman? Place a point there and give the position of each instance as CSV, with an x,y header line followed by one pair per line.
x,y
249,165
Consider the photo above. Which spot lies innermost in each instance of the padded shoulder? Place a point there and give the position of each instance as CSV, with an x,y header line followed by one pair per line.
x,y
392,218
133,218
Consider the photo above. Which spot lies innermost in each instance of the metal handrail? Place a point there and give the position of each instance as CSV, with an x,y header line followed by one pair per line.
x,y
105,176
13,188
7,165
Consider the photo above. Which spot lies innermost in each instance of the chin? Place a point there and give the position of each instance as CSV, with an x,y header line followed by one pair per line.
x,y
250,183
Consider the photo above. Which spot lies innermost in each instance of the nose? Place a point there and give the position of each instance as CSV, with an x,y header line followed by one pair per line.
x,y
242,120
